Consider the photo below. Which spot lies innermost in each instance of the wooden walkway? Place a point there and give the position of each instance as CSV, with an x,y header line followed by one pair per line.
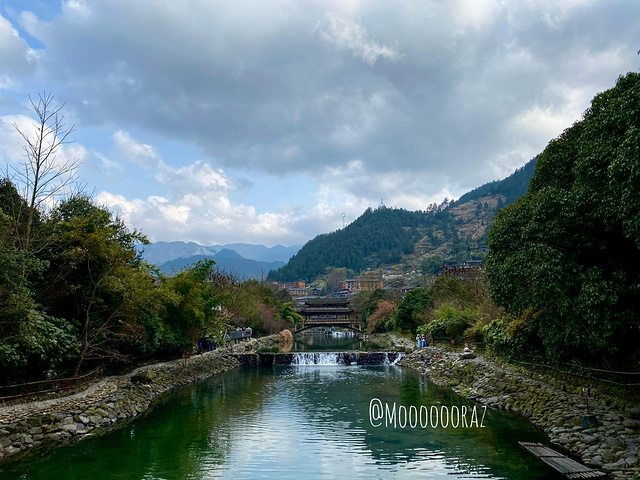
x,y
569,468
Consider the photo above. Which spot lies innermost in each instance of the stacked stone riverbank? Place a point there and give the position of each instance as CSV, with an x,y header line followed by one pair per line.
x,y
612,444
33,426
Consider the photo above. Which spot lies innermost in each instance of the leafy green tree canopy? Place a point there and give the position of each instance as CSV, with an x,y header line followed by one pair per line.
x,y
568,252
413,307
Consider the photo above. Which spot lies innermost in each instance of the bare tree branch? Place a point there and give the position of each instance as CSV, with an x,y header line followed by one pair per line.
x,y
41,175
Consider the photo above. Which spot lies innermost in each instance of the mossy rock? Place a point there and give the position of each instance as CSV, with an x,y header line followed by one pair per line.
x,y
145,376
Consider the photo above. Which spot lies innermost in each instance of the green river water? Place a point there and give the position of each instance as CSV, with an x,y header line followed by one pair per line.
x,y
298,422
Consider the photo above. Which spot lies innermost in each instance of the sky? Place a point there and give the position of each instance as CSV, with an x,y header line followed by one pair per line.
x,y
265,121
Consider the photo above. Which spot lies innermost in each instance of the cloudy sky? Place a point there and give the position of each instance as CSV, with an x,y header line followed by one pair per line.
x,y
264,121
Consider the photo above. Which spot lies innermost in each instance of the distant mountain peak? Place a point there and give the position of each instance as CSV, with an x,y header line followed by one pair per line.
x,y
161,252
227,254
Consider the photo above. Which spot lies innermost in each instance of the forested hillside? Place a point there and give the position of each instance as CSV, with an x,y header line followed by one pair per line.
x,y
511,188
391,237
377,237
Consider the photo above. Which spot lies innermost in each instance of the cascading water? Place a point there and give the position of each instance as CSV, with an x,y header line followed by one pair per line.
x,y
321,358
393,361
345,358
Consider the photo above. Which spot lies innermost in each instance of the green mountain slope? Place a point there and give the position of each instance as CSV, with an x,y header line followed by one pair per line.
x,y
390,237
511,188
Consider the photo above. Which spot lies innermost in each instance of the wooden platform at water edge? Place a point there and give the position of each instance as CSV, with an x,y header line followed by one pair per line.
x,y
569,468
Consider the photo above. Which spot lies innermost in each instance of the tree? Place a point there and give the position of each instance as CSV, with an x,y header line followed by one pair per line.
x,y
334,277
432,265
31,341
288,313
96,280
379,319
413,307
195,306
567,254
366,302
42,175
452,321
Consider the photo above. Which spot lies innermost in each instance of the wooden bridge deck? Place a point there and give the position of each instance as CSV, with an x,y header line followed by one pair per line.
x,y
569,468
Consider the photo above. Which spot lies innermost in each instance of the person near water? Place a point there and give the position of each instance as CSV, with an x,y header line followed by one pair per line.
x,y
418,344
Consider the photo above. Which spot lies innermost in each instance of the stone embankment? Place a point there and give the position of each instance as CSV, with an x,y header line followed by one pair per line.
x,y
392,342
612,444
29,427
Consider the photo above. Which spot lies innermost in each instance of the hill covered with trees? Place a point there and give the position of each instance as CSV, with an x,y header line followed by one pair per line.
x,y
392,236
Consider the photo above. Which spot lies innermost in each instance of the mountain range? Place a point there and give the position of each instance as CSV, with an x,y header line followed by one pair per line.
x,y
242,259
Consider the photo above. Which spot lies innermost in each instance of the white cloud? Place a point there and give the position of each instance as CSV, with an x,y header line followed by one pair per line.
x,y
10,140
134,152
196,178
346,34
108,164
213,220
476,14
402,101
16,57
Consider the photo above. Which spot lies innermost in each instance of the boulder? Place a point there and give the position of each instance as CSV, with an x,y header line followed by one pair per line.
x,y
634,413
11,450
146,376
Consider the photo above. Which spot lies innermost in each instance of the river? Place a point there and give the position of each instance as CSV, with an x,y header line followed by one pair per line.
x,y
308,421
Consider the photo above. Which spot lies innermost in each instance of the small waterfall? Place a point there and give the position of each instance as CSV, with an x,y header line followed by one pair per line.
x,y
321,358
340,358
393,358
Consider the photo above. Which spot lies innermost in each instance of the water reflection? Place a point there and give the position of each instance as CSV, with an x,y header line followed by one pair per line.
x,y
295,422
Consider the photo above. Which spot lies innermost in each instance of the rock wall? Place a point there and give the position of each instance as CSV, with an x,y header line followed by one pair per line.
x,y
612,444
34,426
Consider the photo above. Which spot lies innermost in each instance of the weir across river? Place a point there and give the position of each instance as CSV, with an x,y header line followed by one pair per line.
x,y
319,358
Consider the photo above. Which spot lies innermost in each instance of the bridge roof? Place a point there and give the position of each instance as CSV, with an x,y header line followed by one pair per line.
x,y
327,301
326,310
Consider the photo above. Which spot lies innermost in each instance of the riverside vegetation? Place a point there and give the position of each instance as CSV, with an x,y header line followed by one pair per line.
x,y
562,274
27,428
75,292
81,295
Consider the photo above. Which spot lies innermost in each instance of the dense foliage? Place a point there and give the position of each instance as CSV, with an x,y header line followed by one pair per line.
x,y
564,260
78,294
413,307
382,318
